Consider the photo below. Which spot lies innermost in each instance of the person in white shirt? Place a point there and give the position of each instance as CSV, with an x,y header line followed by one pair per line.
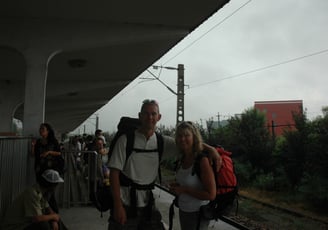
x,y
192,191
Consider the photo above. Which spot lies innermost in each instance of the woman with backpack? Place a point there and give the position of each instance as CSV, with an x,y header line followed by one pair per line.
x,y
192,190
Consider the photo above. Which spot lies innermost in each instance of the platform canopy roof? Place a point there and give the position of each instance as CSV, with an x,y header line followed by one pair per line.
x,y
95,48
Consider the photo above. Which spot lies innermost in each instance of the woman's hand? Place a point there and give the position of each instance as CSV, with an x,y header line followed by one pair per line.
x,y
176,188
33,143
45,154
52,153
102,151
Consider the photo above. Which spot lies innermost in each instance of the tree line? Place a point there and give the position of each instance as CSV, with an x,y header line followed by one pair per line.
x,y
294,164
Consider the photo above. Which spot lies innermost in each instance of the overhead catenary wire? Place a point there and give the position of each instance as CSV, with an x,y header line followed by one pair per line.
x,y
157,78
261,68
204,34
239,74
192,43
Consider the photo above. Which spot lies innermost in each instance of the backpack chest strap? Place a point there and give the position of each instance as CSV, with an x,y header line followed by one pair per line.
x,y
145,150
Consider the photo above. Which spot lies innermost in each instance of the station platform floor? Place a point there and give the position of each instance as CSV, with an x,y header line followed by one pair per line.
x,y
89,218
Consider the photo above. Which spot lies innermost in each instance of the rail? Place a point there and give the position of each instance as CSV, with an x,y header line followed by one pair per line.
x,y
17,173
16,168
80,177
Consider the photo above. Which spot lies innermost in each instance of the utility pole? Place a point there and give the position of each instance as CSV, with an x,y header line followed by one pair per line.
x,y
97,121
273,132
180,95
180,89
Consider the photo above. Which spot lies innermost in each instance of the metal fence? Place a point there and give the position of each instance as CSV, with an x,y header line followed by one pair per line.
x,y
80,177
16,169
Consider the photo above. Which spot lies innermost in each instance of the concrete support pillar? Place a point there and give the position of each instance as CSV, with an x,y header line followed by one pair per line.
x,y
6,118
35,92
12,65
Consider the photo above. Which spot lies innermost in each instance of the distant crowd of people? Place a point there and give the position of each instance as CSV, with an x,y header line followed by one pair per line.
x,y
87,152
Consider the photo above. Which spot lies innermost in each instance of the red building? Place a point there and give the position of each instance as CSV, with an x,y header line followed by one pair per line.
x,y
279,114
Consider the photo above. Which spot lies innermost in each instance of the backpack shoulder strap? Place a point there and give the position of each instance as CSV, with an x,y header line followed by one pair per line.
x,y
196,168
160,144
129,144
160,149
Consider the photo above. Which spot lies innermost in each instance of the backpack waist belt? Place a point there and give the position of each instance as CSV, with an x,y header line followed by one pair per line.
x,y
127,182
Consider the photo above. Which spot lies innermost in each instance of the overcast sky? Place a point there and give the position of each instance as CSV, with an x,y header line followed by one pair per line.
x,y
267,50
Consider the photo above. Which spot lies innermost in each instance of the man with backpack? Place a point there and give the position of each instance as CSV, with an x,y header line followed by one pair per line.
x,y
133,202
134,164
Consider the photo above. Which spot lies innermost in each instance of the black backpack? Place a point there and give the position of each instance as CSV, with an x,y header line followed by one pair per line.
x,y
103,199
126,126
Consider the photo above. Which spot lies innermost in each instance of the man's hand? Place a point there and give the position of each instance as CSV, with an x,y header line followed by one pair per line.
x,y
120,214
56,217
55,225
218,162
214,156
119,211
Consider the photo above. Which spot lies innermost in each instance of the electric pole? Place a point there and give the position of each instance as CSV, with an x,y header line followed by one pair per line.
x,y
219,125
97,122
180,89
180,95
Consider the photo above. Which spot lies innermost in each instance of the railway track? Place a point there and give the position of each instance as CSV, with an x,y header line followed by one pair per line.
x,y
257,215
264,216
233,221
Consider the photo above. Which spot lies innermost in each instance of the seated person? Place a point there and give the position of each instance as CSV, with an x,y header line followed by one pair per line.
x,y
30,210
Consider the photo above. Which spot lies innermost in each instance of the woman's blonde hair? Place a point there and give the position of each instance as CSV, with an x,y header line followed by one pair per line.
x,y
197,138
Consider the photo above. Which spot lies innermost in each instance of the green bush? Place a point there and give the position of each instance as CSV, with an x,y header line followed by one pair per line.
x,y
169,163
281,182
243,172
264,181
314,189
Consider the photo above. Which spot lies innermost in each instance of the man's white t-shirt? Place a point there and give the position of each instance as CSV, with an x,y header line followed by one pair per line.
x,y
141,167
